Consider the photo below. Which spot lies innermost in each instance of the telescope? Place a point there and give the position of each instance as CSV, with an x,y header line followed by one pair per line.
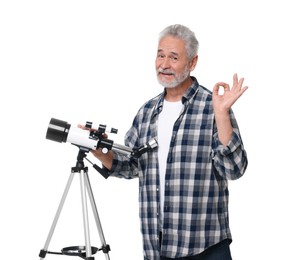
x,y
62,132
90,139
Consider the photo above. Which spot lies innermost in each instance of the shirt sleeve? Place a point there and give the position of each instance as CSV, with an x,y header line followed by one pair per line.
x,y
230,161
124,167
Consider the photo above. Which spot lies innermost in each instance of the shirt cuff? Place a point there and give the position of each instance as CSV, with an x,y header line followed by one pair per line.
x,y
232,145
116,166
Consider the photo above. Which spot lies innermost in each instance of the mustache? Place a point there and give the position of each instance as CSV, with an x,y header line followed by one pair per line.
x,y
165,71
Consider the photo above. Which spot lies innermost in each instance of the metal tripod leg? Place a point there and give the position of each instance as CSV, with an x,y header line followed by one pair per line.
x,y
85,214
105,247
46,246
84,185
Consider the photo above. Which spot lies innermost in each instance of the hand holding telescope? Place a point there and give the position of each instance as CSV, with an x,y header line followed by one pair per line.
x,y
93,139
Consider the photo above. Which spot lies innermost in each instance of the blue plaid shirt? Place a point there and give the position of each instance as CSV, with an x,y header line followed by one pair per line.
x,y
198,168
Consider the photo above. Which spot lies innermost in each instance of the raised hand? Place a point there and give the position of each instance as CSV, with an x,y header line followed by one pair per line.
x,y
223,102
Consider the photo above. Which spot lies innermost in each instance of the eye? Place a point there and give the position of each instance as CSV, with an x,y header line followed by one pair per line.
x,y
174,58
160,56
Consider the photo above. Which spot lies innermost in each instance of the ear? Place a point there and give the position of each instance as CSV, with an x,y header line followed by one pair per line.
x,y
193,62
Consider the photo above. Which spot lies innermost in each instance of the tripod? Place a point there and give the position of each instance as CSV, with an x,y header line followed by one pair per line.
x,y
86,251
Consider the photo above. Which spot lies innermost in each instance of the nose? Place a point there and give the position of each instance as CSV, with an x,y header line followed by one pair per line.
x,y
163,63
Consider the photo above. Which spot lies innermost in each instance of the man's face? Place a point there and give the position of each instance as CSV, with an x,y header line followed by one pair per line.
x,y
172,65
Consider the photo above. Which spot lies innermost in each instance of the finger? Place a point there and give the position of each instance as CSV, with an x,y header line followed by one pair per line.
x,y
83,127
244,89
221,84
224,87
240,83
235,79
216,88
237,84
104,136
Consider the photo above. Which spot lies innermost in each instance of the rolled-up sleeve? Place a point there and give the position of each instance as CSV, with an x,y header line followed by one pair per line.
x,y
124,167
230,161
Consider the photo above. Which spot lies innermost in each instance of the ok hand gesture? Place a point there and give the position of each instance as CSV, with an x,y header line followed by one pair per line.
x,y
223,102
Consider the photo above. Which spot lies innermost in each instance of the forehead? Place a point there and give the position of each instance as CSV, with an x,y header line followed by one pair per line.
x,y
170,44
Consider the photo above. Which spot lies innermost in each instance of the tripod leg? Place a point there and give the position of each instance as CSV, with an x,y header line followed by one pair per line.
x,y
96,216
46,246
85,214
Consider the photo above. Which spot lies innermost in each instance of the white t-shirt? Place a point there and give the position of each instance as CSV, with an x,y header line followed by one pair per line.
x,y
167,117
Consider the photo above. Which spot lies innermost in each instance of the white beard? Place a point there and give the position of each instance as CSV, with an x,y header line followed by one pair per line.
x,y
177,79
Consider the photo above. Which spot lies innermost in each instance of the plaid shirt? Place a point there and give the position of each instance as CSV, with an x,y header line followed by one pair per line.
x,y
198,168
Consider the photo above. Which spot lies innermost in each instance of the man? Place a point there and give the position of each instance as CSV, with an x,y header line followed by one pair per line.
x,y
183,183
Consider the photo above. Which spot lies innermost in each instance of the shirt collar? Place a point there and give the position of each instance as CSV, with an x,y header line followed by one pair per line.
x,y
189,94
191,91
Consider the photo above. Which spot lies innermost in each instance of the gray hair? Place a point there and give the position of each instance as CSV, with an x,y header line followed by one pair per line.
x,y
182,32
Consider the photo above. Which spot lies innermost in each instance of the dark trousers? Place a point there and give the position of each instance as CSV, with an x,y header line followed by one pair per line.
x,y
220,251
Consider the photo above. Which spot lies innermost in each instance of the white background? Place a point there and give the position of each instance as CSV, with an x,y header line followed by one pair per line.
x,y
84,61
